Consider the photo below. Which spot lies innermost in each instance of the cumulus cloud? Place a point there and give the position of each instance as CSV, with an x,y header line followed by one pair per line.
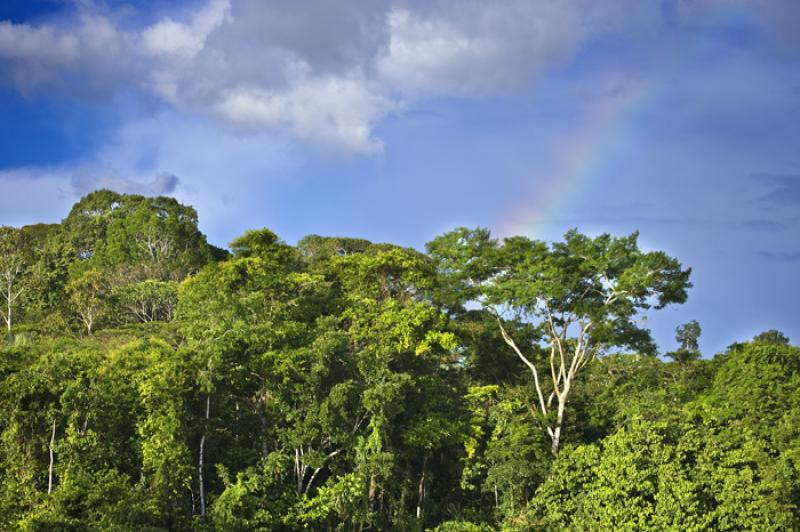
x,y
481,48
185,40
89,55
326,73
29,55
338,112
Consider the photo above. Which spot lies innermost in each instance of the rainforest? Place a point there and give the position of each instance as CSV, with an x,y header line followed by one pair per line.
x,y
152,381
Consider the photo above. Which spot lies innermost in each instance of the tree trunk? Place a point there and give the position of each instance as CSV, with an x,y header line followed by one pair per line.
x,y
317,470
421,487
202,457
88,320
8,316
373,489
556,436
52,459
300,469
556,439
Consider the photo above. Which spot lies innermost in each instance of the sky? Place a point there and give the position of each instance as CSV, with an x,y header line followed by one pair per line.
x,y
399,120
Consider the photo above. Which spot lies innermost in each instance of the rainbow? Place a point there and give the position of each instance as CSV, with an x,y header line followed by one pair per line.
x,y
580,163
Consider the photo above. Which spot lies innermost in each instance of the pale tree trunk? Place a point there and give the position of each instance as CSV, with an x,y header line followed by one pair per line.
x,y
300,468
421,486
202,458
372,492
10,275
563,368
556,438
52,459
87,317
318,469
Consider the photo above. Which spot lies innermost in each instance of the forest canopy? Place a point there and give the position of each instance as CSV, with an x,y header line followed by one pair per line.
x,y
152,381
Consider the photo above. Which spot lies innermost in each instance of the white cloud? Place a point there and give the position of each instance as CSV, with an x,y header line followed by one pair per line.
x,y
482,48
29,55
325,74
338,112
181,40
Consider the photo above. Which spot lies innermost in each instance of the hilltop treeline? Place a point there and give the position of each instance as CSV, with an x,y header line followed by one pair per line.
x,y
151,381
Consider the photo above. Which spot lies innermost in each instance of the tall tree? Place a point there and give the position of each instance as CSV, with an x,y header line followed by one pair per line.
x,y
139,237
89,294
399,340
686,335
582,295
243,319
772,337
12,268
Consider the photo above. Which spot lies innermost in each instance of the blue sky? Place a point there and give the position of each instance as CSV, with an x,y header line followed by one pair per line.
x,y
398,120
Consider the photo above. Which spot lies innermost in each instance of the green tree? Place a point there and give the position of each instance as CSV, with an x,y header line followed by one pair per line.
x,y
48,258
13,266
89,295
396,338
150,300
138,237
773,337
583,295
244,320
686,335
317,249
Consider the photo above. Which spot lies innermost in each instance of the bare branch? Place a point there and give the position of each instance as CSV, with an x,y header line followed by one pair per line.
x,y
513,345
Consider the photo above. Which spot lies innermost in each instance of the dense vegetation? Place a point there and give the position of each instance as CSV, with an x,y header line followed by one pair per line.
x,y
150,381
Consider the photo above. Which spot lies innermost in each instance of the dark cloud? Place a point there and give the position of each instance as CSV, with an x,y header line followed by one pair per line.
x,y
163,183
764,225
783,189
781,256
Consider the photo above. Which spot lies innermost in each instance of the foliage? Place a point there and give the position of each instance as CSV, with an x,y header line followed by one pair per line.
x,y
153,382
581,296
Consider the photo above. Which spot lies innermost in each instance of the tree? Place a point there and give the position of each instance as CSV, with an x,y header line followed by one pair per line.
x,y
12,268
150,300
47,269
582,295
668,474
318,249
244,319
158,237
88,294
400,344
686,335
772,337
266,245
